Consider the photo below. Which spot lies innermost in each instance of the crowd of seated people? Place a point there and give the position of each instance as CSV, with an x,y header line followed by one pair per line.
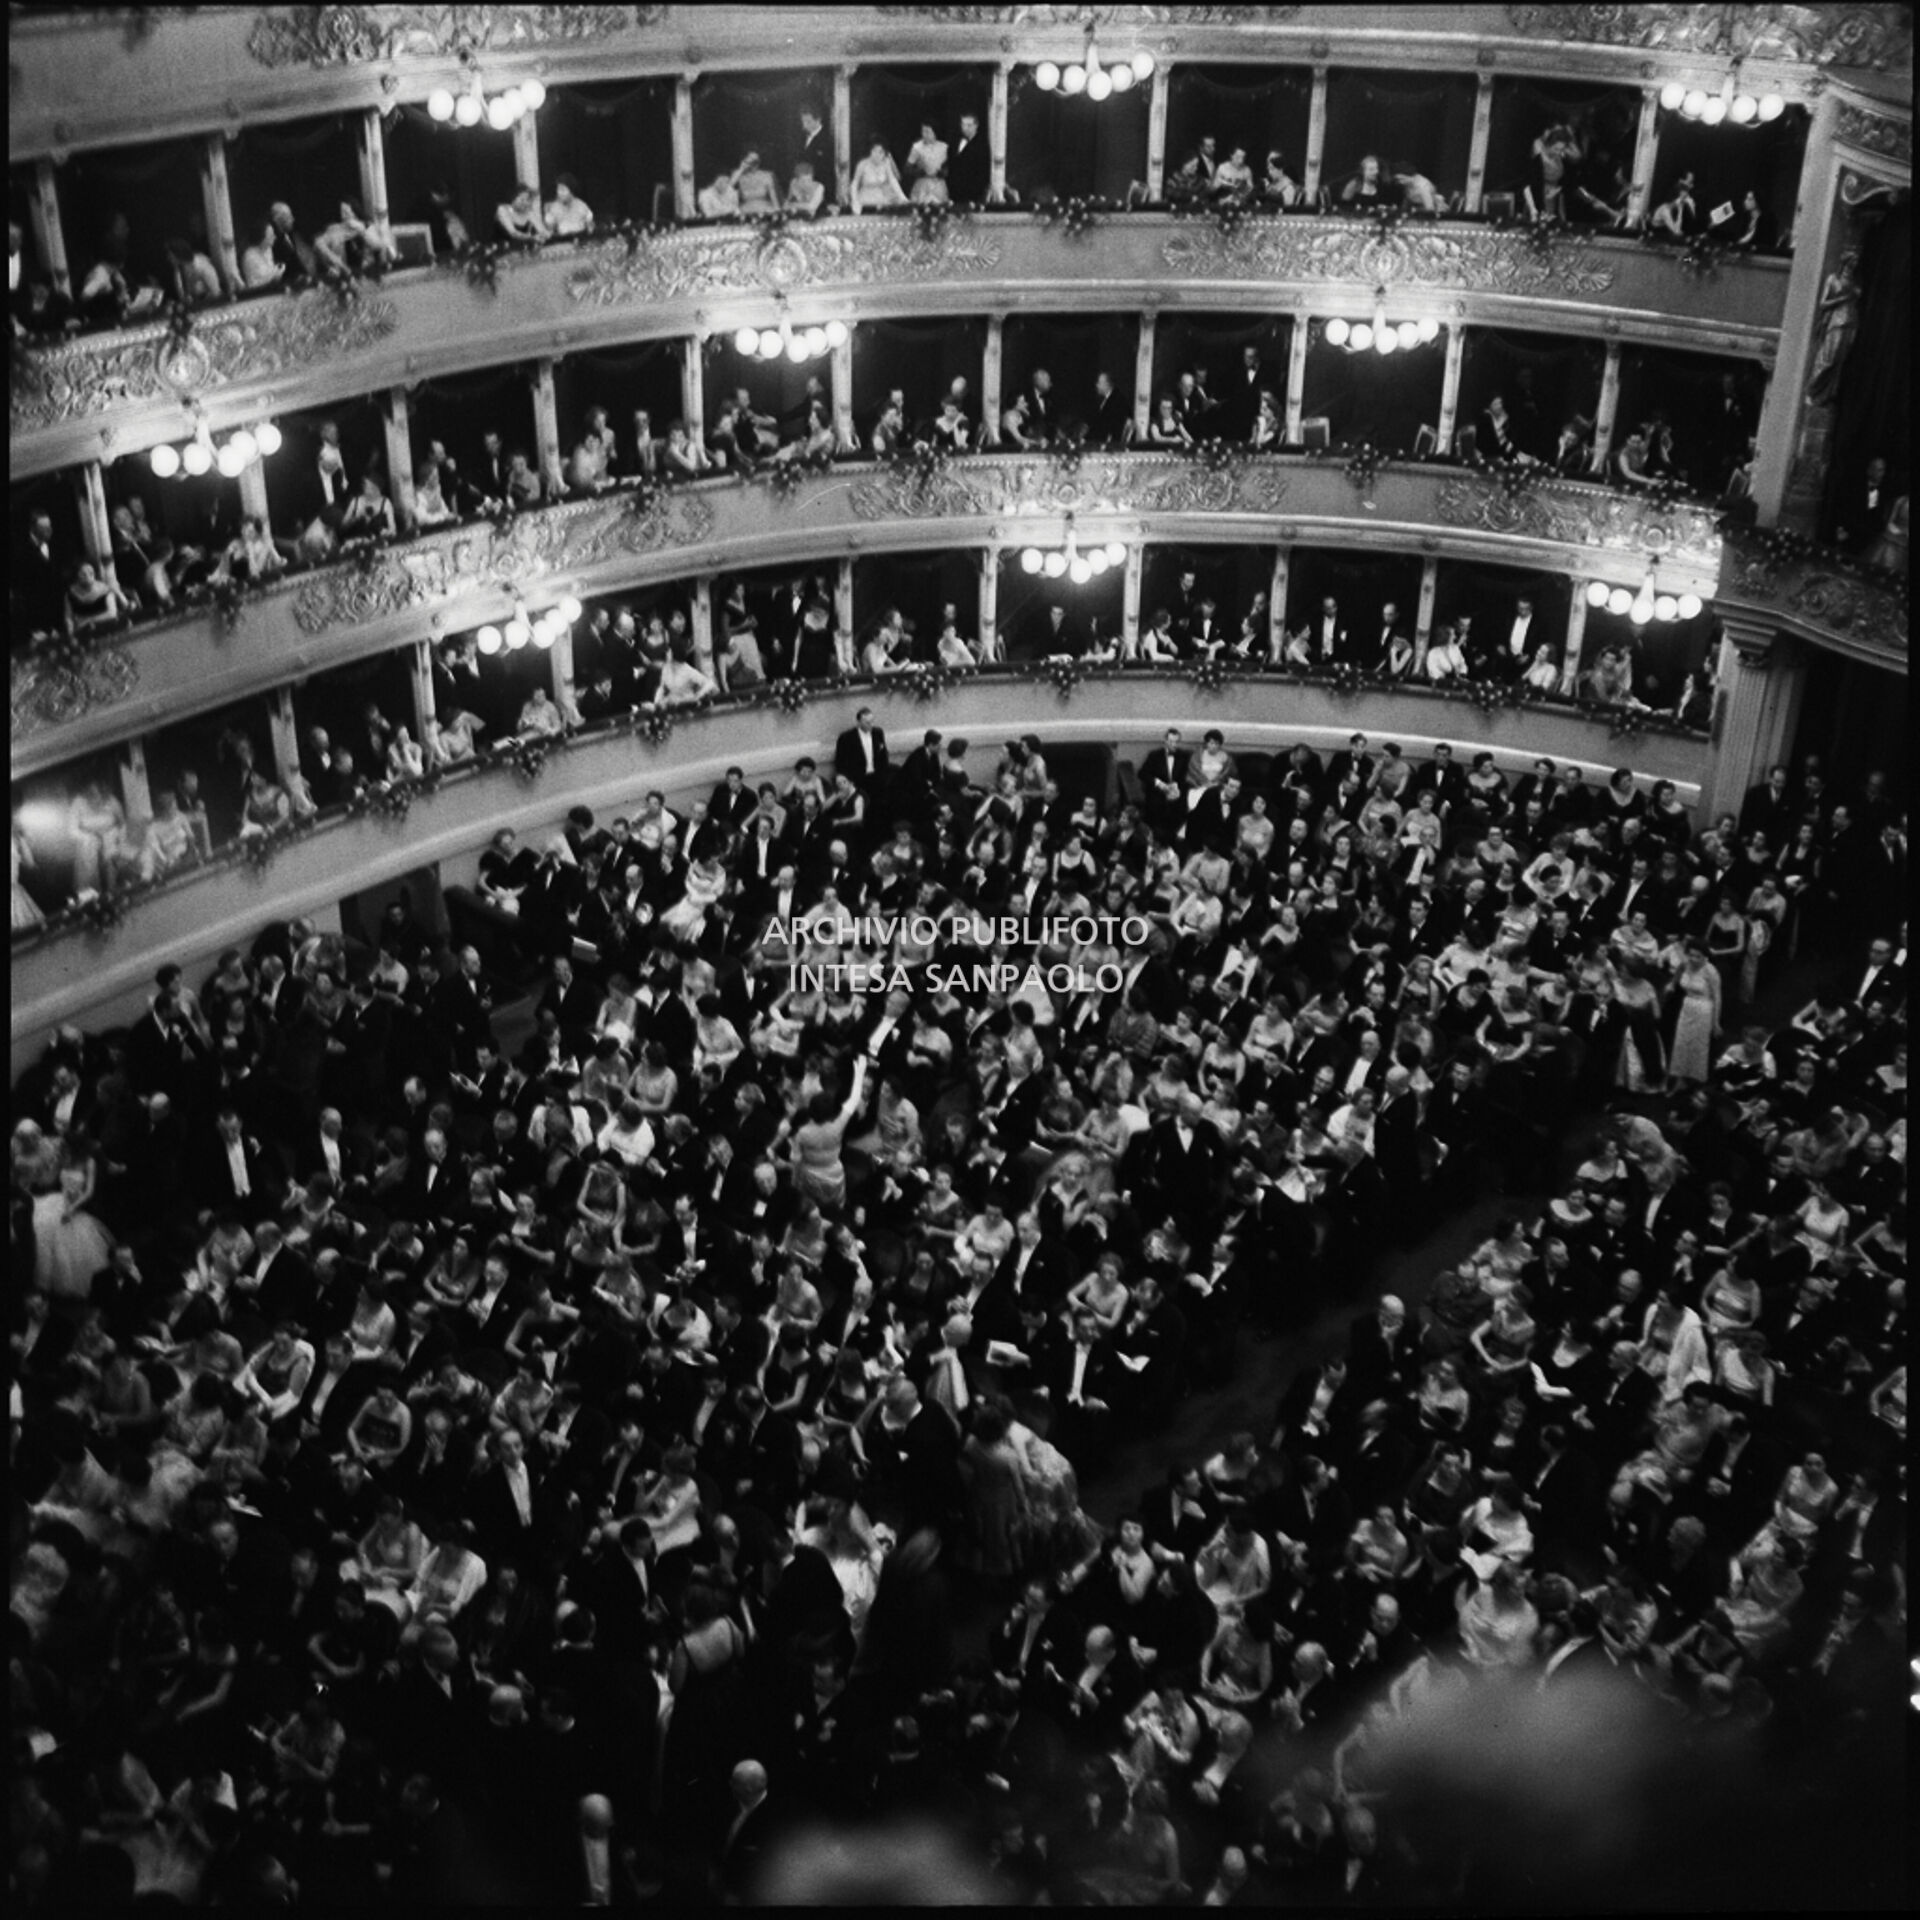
x,y
448,1467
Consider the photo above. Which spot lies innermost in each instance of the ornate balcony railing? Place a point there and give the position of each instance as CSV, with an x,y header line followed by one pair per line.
x,y
1777,579
85,957
103,395
451,581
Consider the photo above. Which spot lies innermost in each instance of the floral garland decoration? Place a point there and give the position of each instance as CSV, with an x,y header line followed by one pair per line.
x,y
919,463
927,679
634,232
1542,231
1490,696
1348,678
228,596
655,725
785,477
501,517
1076,216
1210,675
1701,255
101,912
1219,455
1625,723
789,695
1066,673
1364,464
931,218
1386,219
179,318
1515,477
480,261
526,753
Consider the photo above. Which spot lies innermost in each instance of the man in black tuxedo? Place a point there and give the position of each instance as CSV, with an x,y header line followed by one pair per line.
x,y
1517,643
1083,1383
1178,1165
1328,640
1163,782
1252,377
1444,775
1109,415
1861,509
733,802
969,164
1372,649
237,1174
918,785
816,149
1051,630
1882,981
39,587
861,754
1043,411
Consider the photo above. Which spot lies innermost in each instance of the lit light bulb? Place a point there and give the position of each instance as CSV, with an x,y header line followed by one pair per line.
x,y
545,634
533,94
1386,340
1337,331
1031,560
516,102
468,110
245,446
1099,86
1671,96
1074,80
1429,330
1619,600
1771,106
1642,609
769,347
1361,337
499,113
1666,607
569,609
1080,572
1714,111
1142,65
836,332
1691,606
1046,76
1056,565
1409,332
1597,594
440,104
1695,104
1097,561
197,457
816,342
1116,553
517,633
747,340
266,436
1121,75
797,348
488,639
1744,107
165,462
229,463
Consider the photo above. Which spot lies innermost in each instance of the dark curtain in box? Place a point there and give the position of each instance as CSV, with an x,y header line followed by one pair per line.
x,y
41,803
1488,594
1093,610
920,585
1605,121
1876,383
338,701
22,193
1073,348
1686,387
474,164
293,481
458,409
210,745
735,114
1361,583
1420,125
892,105
191,511
1060,147
922,358
1185,342
644,378
777,387
1233,575
1663,652
1855,716
312,165
1263,109
156,187
1726,161
614,140
1385,398
1562,378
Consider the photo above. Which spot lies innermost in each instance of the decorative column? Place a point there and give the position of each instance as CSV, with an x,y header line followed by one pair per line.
x,y
1609,406
990,359
1570,662
216,204
693,387
1756,708
1423,614
96,529
1157,135
1482,138
989,608
560,668
1316,137
997,101
843,135
253,494
48,235
420,685
526,151
1450,387
284,731
843,614
1131,586
373,166
398,425
1646,145
841,372
546,419
1277,604
700,621
136,790
684,203
1297,376
1143,376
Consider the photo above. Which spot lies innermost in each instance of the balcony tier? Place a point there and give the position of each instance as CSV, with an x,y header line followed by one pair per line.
x,y
103,395
68,972
1771,580
449,582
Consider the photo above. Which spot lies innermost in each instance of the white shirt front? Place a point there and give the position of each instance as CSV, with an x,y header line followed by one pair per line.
x,y
237,1166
